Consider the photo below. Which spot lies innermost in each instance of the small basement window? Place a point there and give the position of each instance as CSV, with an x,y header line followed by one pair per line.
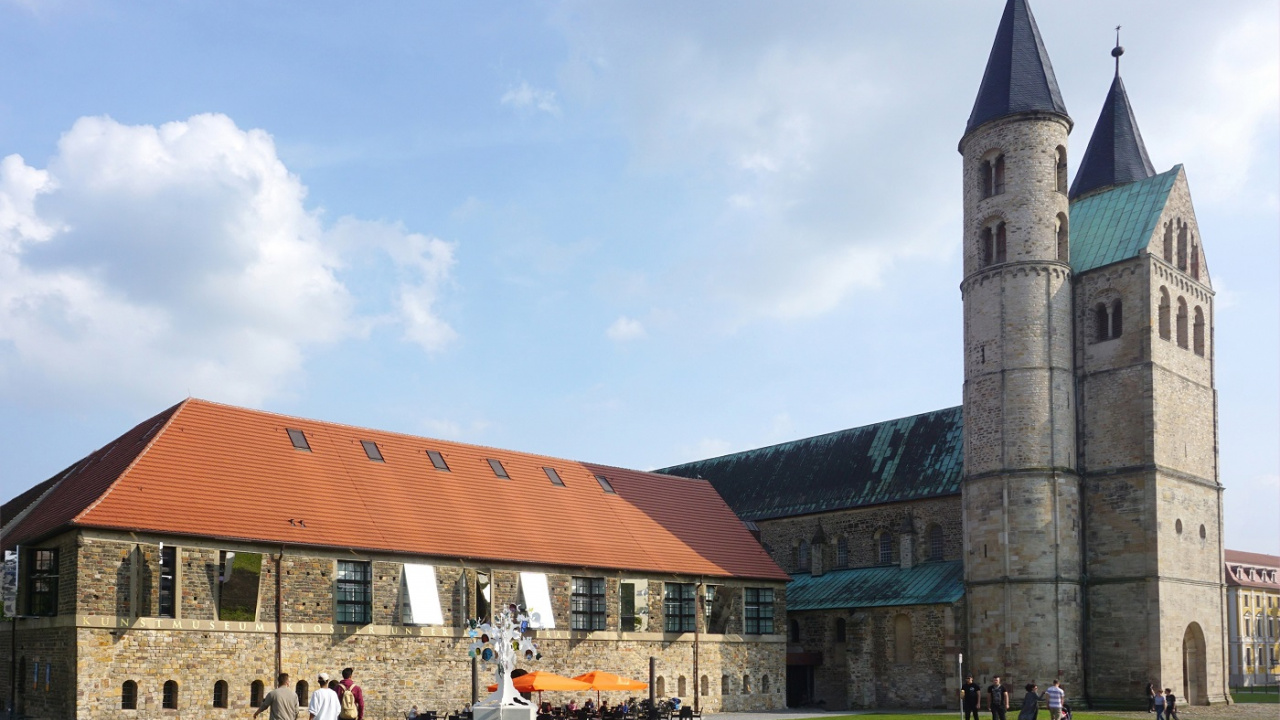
x,y
498,469
298,439
605,485
553,476
437,460
371,449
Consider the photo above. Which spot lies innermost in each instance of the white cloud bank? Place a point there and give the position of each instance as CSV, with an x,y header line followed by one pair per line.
x,y
527,97
152,262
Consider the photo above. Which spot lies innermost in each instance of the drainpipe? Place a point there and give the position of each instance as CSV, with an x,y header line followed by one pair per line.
x,y
279,610
701,600
13,667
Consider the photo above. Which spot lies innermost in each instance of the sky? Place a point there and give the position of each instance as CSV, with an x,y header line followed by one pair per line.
x,y
636,234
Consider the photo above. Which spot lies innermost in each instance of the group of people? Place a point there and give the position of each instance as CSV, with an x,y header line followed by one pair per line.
x,y
572,708
999,696
332,700
1164,705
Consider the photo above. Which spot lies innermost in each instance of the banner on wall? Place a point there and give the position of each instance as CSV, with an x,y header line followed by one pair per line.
x,y
9,583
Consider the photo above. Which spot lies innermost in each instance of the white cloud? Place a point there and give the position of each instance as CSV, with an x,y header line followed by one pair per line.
x,y
153,262
527,97
624,329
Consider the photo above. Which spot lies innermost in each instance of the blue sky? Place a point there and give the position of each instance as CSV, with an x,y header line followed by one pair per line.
x,y
635,234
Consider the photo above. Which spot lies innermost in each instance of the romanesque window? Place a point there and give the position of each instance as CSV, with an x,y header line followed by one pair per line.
x,y
1182,247
1168,242
842,630
681,691
660,686
935,542
842,552
1195,262
795,631
805,560
746,684
1198,335
902,639
354,592
764,684
129,695
1182,322
1117,318
1064,239
1101,323
1001,254
758,607
705,686
42,581
303,691
678,604
586,604
168,577
220,694
169,698
724,684
997,176
984,169
885,547
988,247
255,693
1062,170
1164,313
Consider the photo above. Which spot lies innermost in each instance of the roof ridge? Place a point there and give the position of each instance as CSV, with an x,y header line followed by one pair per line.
x,y
151,440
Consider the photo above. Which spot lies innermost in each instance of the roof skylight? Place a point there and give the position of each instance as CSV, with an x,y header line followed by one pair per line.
x,y
605,485
438,460
498,469
553,476
371,449
298,439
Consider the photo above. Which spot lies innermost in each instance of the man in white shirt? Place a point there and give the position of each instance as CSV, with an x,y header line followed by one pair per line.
x,y
1053,696
324,703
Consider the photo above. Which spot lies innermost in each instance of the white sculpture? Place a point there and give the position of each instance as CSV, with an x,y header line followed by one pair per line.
x,y
502,643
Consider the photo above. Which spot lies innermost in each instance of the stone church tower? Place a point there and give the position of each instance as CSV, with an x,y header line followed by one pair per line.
x,y
1021,487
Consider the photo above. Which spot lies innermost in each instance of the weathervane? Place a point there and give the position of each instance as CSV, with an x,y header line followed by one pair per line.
x,y
1118,50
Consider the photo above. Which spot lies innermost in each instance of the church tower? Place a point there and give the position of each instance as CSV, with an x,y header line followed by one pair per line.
x,y
1021,490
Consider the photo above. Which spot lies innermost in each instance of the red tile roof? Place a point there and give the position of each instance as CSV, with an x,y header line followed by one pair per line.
x,y
205,469
1252,569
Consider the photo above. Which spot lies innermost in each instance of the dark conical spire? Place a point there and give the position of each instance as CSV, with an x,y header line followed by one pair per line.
x,y
1115,155
1019,77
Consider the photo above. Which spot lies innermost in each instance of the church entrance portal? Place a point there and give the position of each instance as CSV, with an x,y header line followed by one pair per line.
x,y
1195,676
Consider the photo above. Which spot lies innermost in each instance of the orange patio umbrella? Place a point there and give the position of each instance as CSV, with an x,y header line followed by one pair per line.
x,y
599,680
542,680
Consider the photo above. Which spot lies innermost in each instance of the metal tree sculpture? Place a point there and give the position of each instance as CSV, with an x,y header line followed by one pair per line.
x,y
502,643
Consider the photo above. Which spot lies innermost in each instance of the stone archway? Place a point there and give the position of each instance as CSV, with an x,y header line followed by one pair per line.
x,y
1195,675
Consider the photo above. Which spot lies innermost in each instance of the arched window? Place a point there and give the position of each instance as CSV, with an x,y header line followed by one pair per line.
x,y
1064,239
885,543
1001,255
724,684
842,552
1168,242
1164,313
681,691
842,630
997,176
1182,322
1062,170
170,698
220,694
255,693
660,687
1199,332
795,630
1101,323
705,686
1117,319
935,542
988,247
764,684
805,562
746,684
902,639
303,691
1182,247
1195,261
985,171
129,695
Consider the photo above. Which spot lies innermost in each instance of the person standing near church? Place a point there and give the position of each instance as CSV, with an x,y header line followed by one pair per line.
x,y
971,698
282,702
998,698
357,694
1158,700
324,702
1053,697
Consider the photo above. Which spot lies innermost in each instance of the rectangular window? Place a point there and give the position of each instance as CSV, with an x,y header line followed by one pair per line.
x,y
421,596
238,578
553,476
605,485
371,450
586,604
437,460
498,469
758,603
355,592
42,588
298,439
168,582
679,603
842,552
536,594
627,607
484,598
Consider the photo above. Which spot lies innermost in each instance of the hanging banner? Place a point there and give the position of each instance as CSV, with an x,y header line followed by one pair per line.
x,y
9,583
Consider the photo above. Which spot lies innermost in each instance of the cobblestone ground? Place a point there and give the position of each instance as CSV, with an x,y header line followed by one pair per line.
x,y
1238,711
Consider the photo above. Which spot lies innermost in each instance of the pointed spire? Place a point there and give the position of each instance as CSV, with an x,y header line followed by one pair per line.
x,y
1019,77
1116,154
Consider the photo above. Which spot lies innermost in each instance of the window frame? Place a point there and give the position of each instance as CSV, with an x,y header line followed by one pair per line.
x,y
372,451
167,597
437,461
679,609
587,608
298,438
169,700
884,548
42,581
757,610
353,596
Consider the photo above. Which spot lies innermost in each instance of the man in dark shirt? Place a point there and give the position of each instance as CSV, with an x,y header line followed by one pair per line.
x,y
971,694
998,697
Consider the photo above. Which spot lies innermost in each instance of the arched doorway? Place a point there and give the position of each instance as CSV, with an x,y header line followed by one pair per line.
x,y
1195,675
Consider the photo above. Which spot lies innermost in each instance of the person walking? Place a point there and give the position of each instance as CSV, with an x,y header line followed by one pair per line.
x,y
1170,705
1054,696
282,701
971,698
353,706
1030,704
1158,701
324,703
998,699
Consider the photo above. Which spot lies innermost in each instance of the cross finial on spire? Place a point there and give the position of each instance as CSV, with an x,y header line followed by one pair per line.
x,y
1117,51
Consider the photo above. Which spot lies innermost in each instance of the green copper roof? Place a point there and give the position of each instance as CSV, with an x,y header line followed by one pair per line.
x,y
1116,224
927,584
905,459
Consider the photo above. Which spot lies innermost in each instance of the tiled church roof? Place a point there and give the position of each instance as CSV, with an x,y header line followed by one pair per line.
x,y
905,459
925,584
205,469
1019,77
